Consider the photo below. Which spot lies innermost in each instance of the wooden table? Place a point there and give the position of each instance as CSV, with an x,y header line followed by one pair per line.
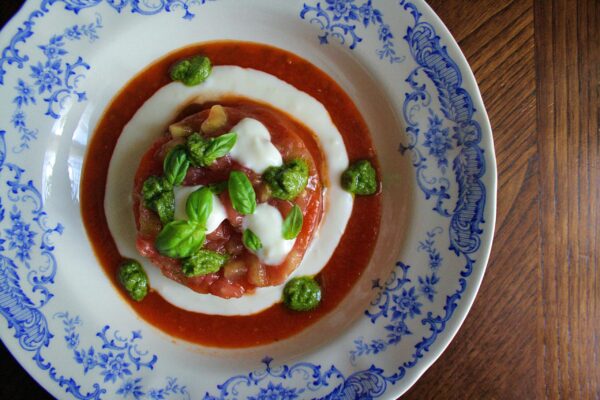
x,y
534,329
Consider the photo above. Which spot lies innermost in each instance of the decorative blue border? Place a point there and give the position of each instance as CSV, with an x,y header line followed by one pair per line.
x,y
401,298
53,79
310,379
397,303
339,19
117,362
464,230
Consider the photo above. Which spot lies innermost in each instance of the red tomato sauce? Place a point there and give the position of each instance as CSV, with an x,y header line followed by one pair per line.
x,y
350,257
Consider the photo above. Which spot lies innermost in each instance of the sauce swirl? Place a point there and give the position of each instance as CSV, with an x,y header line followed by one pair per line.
x,y
343,269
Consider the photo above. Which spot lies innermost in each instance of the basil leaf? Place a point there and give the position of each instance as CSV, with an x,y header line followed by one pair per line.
x,y
251,241
179,239
203,262
199,205
219,147
241,192
292,225
176,165
205,151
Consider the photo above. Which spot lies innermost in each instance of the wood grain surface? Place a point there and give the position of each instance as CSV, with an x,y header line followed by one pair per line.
x,y
533,331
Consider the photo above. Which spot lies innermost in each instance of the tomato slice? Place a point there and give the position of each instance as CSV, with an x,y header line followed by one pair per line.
x,y
243,272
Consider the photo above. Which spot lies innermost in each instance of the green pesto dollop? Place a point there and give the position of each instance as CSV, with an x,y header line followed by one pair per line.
x,y
134,279
302,294
203,262
153,186
196,148
191,71
158,196
289,180
360,178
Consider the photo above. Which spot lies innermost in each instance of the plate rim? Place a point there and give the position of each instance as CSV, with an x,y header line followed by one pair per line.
x,y
490,179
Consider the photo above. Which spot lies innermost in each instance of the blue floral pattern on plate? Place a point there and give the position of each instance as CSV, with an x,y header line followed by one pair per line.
x,y
53,80
116,362
311,380
338,20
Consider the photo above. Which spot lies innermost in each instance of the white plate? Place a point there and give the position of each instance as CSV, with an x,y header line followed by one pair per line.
x,y
61,62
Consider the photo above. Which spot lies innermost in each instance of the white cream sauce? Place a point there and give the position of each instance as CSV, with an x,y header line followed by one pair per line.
x,y
253,148
149,123
267,224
